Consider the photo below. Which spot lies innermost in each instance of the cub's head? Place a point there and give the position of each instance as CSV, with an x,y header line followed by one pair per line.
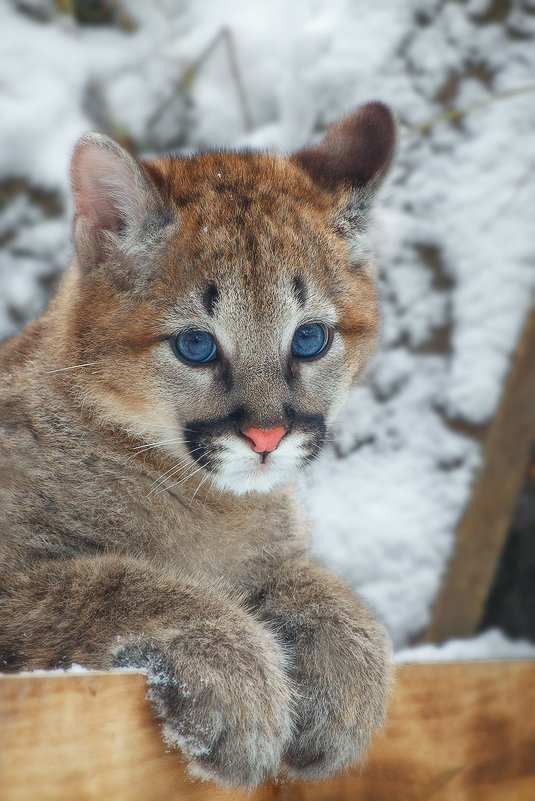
x,y
226,299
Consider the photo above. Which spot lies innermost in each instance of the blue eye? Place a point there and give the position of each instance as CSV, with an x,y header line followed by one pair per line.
x,y
310,340
195,347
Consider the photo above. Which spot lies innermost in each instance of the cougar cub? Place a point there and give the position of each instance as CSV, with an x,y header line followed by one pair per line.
x,y
151,421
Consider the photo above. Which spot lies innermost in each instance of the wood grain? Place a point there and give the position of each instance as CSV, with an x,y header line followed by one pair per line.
x,y
455,732
488,517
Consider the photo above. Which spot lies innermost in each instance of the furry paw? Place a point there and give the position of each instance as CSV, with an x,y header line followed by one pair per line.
x,y
342,680
223,695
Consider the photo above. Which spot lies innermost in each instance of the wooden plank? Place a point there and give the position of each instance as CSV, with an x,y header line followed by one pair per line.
x,y
87,737
456,732
487,519
70,737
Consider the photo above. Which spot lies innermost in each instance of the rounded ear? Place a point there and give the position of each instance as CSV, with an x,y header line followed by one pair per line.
x,y
356,151
114,199
355,154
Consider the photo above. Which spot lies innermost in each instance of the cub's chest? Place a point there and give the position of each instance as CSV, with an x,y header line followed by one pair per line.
x,y
241,543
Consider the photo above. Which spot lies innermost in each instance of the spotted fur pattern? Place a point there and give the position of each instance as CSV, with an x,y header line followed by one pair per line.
x,y
138,526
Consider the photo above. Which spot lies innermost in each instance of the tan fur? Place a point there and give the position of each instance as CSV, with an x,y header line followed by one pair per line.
x,y
114,551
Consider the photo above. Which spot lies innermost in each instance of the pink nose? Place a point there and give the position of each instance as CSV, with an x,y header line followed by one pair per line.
x,y
262,441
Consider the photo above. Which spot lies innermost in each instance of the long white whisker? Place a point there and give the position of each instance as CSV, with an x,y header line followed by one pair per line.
x,y
155,444
172,470
73,367
203,479
153,447
210,488
159,483
168,473
177,483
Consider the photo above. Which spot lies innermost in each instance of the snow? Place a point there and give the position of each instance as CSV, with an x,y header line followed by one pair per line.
x,y
75,669
455,236
492,644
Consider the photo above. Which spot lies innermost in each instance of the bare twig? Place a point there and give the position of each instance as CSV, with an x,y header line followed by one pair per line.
x,y
453,114
233,61
186,79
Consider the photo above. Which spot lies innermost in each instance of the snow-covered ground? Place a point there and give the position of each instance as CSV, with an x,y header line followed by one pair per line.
x,y
491,644
455,240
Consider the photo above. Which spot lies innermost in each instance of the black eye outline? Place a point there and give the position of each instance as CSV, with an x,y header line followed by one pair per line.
x,y
212,356
328,334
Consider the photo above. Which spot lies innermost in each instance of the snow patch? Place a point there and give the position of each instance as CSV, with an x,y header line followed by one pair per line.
x,y
492,644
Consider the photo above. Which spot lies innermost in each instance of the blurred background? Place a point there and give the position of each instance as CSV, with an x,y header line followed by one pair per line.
x,y
455,235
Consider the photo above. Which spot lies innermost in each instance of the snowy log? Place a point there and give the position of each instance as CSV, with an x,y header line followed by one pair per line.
x,y
455,731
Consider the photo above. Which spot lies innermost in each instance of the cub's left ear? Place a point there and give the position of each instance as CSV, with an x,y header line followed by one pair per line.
x,y
354,155
357,151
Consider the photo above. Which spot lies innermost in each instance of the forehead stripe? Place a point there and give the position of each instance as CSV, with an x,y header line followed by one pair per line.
x,y
299,289
210,297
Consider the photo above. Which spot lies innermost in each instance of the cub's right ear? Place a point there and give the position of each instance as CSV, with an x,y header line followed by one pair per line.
x,y
116,203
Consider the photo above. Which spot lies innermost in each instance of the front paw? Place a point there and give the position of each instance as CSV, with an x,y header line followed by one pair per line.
x,y
342,679
224,696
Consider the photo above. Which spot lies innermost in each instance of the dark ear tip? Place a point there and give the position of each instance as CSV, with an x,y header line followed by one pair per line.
x,y
380,117
357,150
378,110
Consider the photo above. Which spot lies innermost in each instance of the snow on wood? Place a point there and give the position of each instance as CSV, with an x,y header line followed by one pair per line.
x,y
455,731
